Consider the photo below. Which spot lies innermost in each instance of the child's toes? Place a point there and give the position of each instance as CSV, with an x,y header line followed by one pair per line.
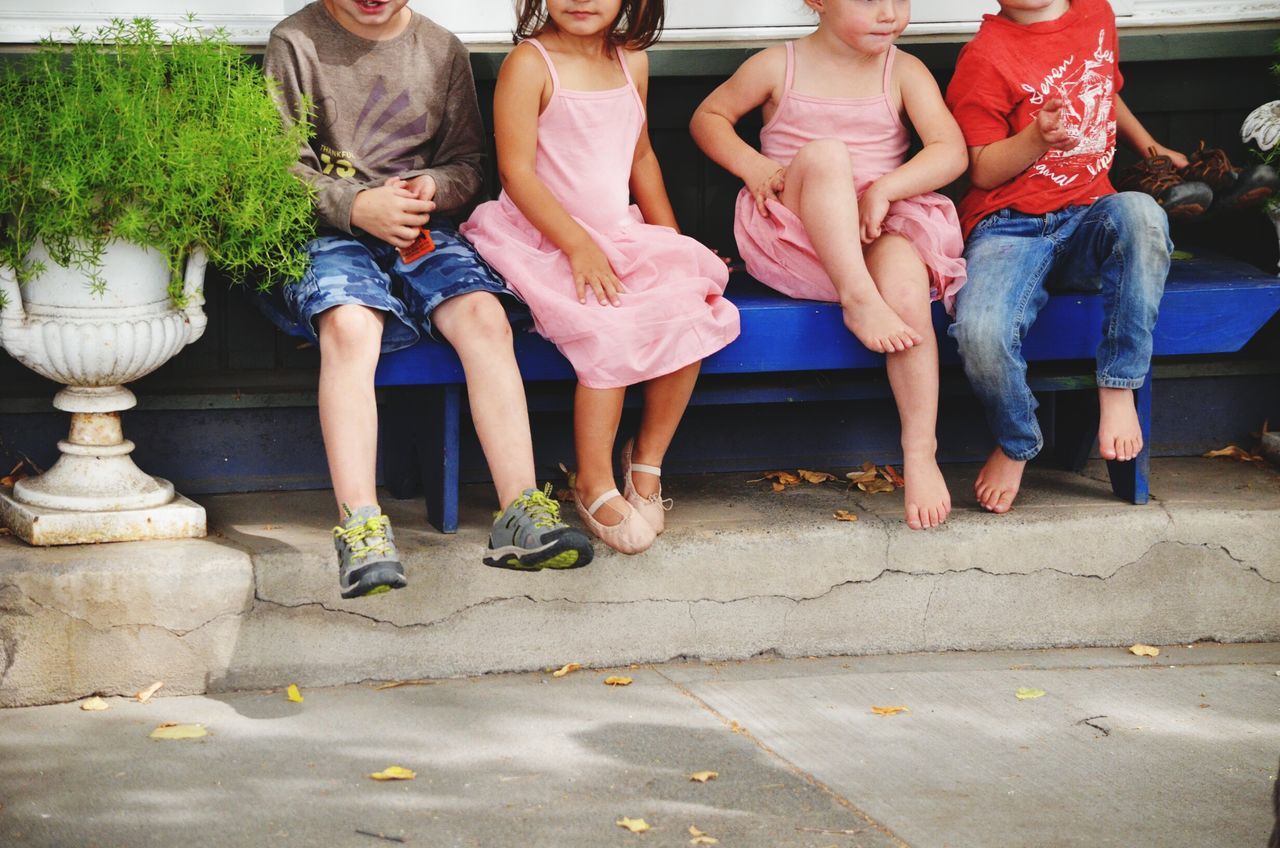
x,y
913,517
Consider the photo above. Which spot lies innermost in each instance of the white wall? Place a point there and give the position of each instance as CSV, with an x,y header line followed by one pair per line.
x,y
489,21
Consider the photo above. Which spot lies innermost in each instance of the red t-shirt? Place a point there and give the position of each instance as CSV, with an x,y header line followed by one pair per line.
x,y
1005,75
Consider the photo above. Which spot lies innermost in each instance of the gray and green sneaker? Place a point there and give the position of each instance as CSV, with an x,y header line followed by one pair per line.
x,y
529,536
367,560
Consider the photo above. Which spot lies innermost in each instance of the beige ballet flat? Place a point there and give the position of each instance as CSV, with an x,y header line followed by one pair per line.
x,y
632,535
653,508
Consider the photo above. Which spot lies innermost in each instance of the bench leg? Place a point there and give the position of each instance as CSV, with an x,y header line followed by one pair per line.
x,y
1075,421
438,455
1129,480
398,445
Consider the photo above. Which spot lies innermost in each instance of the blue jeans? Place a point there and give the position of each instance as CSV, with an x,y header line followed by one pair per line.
x,y
1118,246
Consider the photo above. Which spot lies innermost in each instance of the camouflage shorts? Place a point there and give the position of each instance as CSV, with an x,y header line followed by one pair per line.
x,y
367,271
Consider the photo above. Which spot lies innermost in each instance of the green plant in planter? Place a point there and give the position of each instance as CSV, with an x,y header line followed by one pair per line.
x,y
169,141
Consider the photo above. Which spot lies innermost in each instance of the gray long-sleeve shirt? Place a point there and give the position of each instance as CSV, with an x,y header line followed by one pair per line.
x,y
396,108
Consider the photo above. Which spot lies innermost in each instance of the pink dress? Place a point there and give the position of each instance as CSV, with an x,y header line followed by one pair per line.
x,y
673,310
777,250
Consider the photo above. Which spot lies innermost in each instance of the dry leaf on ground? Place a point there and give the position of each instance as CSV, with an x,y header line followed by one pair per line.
x,y
1144,651
737,728
396,684
778,487
780,478
866,475
94,705
1026,694
568,668
816,476
145,694
169,730
889,711
293,694
844,515
877,486
703,776
703,839
617,681
891,474
394,773
633,825
1234,452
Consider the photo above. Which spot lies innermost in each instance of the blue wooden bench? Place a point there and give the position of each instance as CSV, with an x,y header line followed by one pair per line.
x,y
1210,306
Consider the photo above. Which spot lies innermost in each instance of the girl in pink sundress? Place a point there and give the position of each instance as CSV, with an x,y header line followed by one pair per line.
x,y
831,211
620,292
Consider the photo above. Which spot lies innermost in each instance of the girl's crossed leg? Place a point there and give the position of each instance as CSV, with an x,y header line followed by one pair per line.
x,y
903,281
820,191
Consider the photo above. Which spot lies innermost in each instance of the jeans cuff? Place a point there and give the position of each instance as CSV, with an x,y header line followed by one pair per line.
x,y
1105,382
1023,456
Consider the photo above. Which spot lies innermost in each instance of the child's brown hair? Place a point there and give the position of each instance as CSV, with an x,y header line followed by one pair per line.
x,y
637,27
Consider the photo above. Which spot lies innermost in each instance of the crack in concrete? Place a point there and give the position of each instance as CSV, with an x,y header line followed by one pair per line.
x,y
180,633
795,600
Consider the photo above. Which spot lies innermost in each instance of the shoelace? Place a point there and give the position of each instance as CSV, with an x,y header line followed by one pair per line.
x,y
1210,165
544,511
366,538
1153,174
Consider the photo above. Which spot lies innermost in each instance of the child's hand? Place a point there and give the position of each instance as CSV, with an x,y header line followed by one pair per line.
x,y
1050,129
591,268
766,182
422,187
872,207
1179,159
391,212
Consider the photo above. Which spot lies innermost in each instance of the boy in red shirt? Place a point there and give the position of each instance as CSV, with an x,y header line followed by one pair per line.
x,y
1036,95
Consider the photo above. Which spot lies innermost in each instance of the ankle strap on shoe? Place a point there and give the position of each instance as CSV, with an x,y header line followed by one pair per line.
x,y
602,500
646,469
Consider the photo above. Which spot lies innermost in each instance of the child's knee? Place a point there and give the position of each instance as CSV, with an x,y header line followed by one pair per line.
x,y
473,317
351,327
1138,218
823,155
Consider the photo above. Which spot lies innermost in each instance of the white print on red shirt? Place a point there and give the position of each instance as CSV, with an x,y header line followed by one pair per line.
x,y
1086,92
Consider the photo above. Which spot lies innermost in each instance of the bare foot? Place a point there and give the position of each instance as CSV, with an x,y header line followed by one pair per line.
x,y
1119,432
927,498
998,482
877,326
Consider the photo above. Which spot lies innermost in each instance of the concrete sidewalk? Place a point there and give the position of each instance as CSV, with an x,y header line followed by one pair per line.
x,y
1175,751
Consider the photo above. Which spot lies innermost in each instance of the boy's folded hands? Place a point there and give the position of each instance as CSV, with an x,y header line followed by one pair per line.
x,y
394,211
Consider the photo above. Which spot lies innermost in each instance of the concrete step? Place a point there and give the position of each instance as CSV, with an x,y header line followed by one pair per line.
x,y
742,571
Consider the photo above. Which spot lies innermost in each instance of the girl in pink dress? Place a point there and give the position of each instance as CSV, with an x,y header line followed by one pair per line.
x,y
620,292
832,212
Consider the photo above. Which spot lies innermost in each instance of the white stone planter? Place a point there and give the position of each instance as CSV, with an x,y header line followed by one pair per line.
x,y
93,343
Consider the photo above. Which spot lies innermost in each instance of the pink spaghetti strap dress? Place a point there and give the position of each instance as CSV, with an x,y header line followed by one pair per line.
x,y
673,310
777,250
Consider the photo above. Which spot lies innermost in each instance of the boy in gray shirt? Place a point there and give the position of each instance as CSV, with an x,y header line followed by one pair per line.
x,y
398,148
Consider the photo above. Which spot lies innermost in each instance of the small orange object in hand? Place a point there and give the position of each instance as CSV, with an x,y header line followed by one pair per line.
x,y
421,246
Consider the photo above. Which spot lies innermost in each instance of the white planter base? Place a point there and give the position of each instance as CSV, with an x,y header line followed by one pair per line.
x,y
180,519
94,492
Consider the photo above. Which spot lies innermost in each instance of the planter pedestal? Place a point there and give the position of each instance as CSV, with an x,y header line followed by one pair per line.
x,y
94,492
